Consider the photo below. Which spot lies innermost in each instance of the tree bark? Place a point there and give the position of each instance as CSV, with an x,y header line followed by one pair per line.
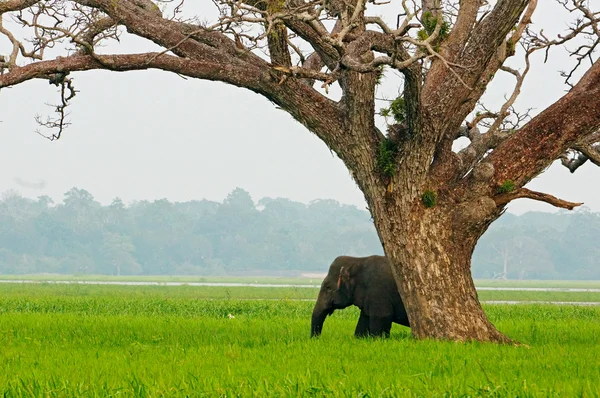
x,y
431,262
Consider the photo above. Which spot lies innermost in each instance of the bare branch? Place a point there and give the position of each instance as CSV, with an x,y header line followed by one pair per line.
x,y
504,110
301,101
496,131
67,92
299,72
478,119
506,198
585,26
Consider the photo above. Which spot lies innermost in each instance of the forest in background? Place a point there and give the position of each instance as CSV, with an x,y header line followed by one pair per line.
x,y
269,237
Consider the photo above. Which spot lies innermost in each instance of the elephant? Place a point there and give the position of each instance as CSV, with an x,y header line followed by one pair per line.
x,y
368,283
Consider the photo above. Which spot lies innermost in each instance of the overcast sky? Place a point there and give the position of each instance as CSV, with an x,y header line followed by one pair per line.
x,y
152,135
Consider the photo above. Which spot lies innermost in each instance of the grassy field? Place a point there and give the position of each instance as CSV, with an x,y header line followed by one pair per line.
x,y
149,341
277,280
247,292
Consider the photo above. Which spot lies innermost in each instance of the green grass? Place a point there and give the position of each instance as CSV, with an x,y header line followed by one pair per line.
x,y
155,341
217,292
486,295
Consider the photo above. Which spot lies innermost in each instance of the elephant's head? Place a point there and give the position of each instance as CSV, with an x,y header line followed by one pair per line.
x,y
337,292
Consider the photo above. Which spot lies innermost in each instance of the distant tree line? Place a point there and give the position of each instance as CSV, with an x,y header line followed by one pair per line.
x,y
272,236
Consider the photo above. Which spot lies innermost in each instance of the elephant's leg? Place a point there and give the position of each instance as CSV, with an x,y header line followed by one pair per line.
x,y
362,327
380,326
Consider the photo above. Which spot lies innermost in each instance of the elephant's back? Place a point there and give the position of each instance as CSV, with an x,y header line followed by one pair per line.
x,y
380,274
382,269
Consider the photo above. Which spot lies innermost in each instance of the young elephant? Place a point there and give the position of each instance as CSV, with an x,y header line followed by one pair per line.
x,y
366,282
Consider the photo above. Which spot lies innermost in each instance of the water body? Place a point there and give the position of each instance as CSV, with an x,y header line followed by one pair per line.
x,y
510,302
542,289
275,285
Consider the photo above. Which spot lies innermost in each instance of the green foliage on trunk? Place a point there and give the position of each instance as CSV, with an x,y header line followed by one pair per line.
x,y
397,110
274,6
386,157
429,22
380,73
507,186
429,198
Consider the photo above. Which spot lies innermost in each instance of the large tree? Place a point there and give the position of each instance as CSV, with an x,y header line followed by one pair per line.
x,y
430,203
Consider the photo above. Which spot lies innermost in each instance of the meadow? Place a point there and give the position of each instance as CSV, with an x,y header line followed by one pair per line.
x,y
150,341
256,293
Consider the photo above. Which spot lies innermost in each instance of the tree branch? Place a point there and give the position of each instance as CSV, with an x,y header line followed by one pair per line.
x,y
461,99
447,101
459,35
479,146
16,5
504,110
582,153
304,103
525,21
547,136
573,163
504,199
592,152
277,36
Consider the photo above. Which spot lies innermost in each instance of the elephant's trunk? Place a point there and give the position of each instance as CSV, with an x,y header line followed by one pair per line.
x,y
318,318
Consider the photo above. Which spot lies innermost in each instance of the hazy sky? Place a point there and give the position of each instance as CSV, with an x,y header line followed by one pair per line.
x,y
152,135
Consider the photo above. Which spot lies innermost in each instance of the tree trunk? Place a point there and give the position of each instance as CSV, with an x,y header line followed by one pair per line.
x,y
431,254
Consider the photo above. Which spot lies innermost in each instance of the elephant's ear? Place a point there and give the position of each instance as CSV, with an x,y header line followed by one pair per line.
x,y
344,276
